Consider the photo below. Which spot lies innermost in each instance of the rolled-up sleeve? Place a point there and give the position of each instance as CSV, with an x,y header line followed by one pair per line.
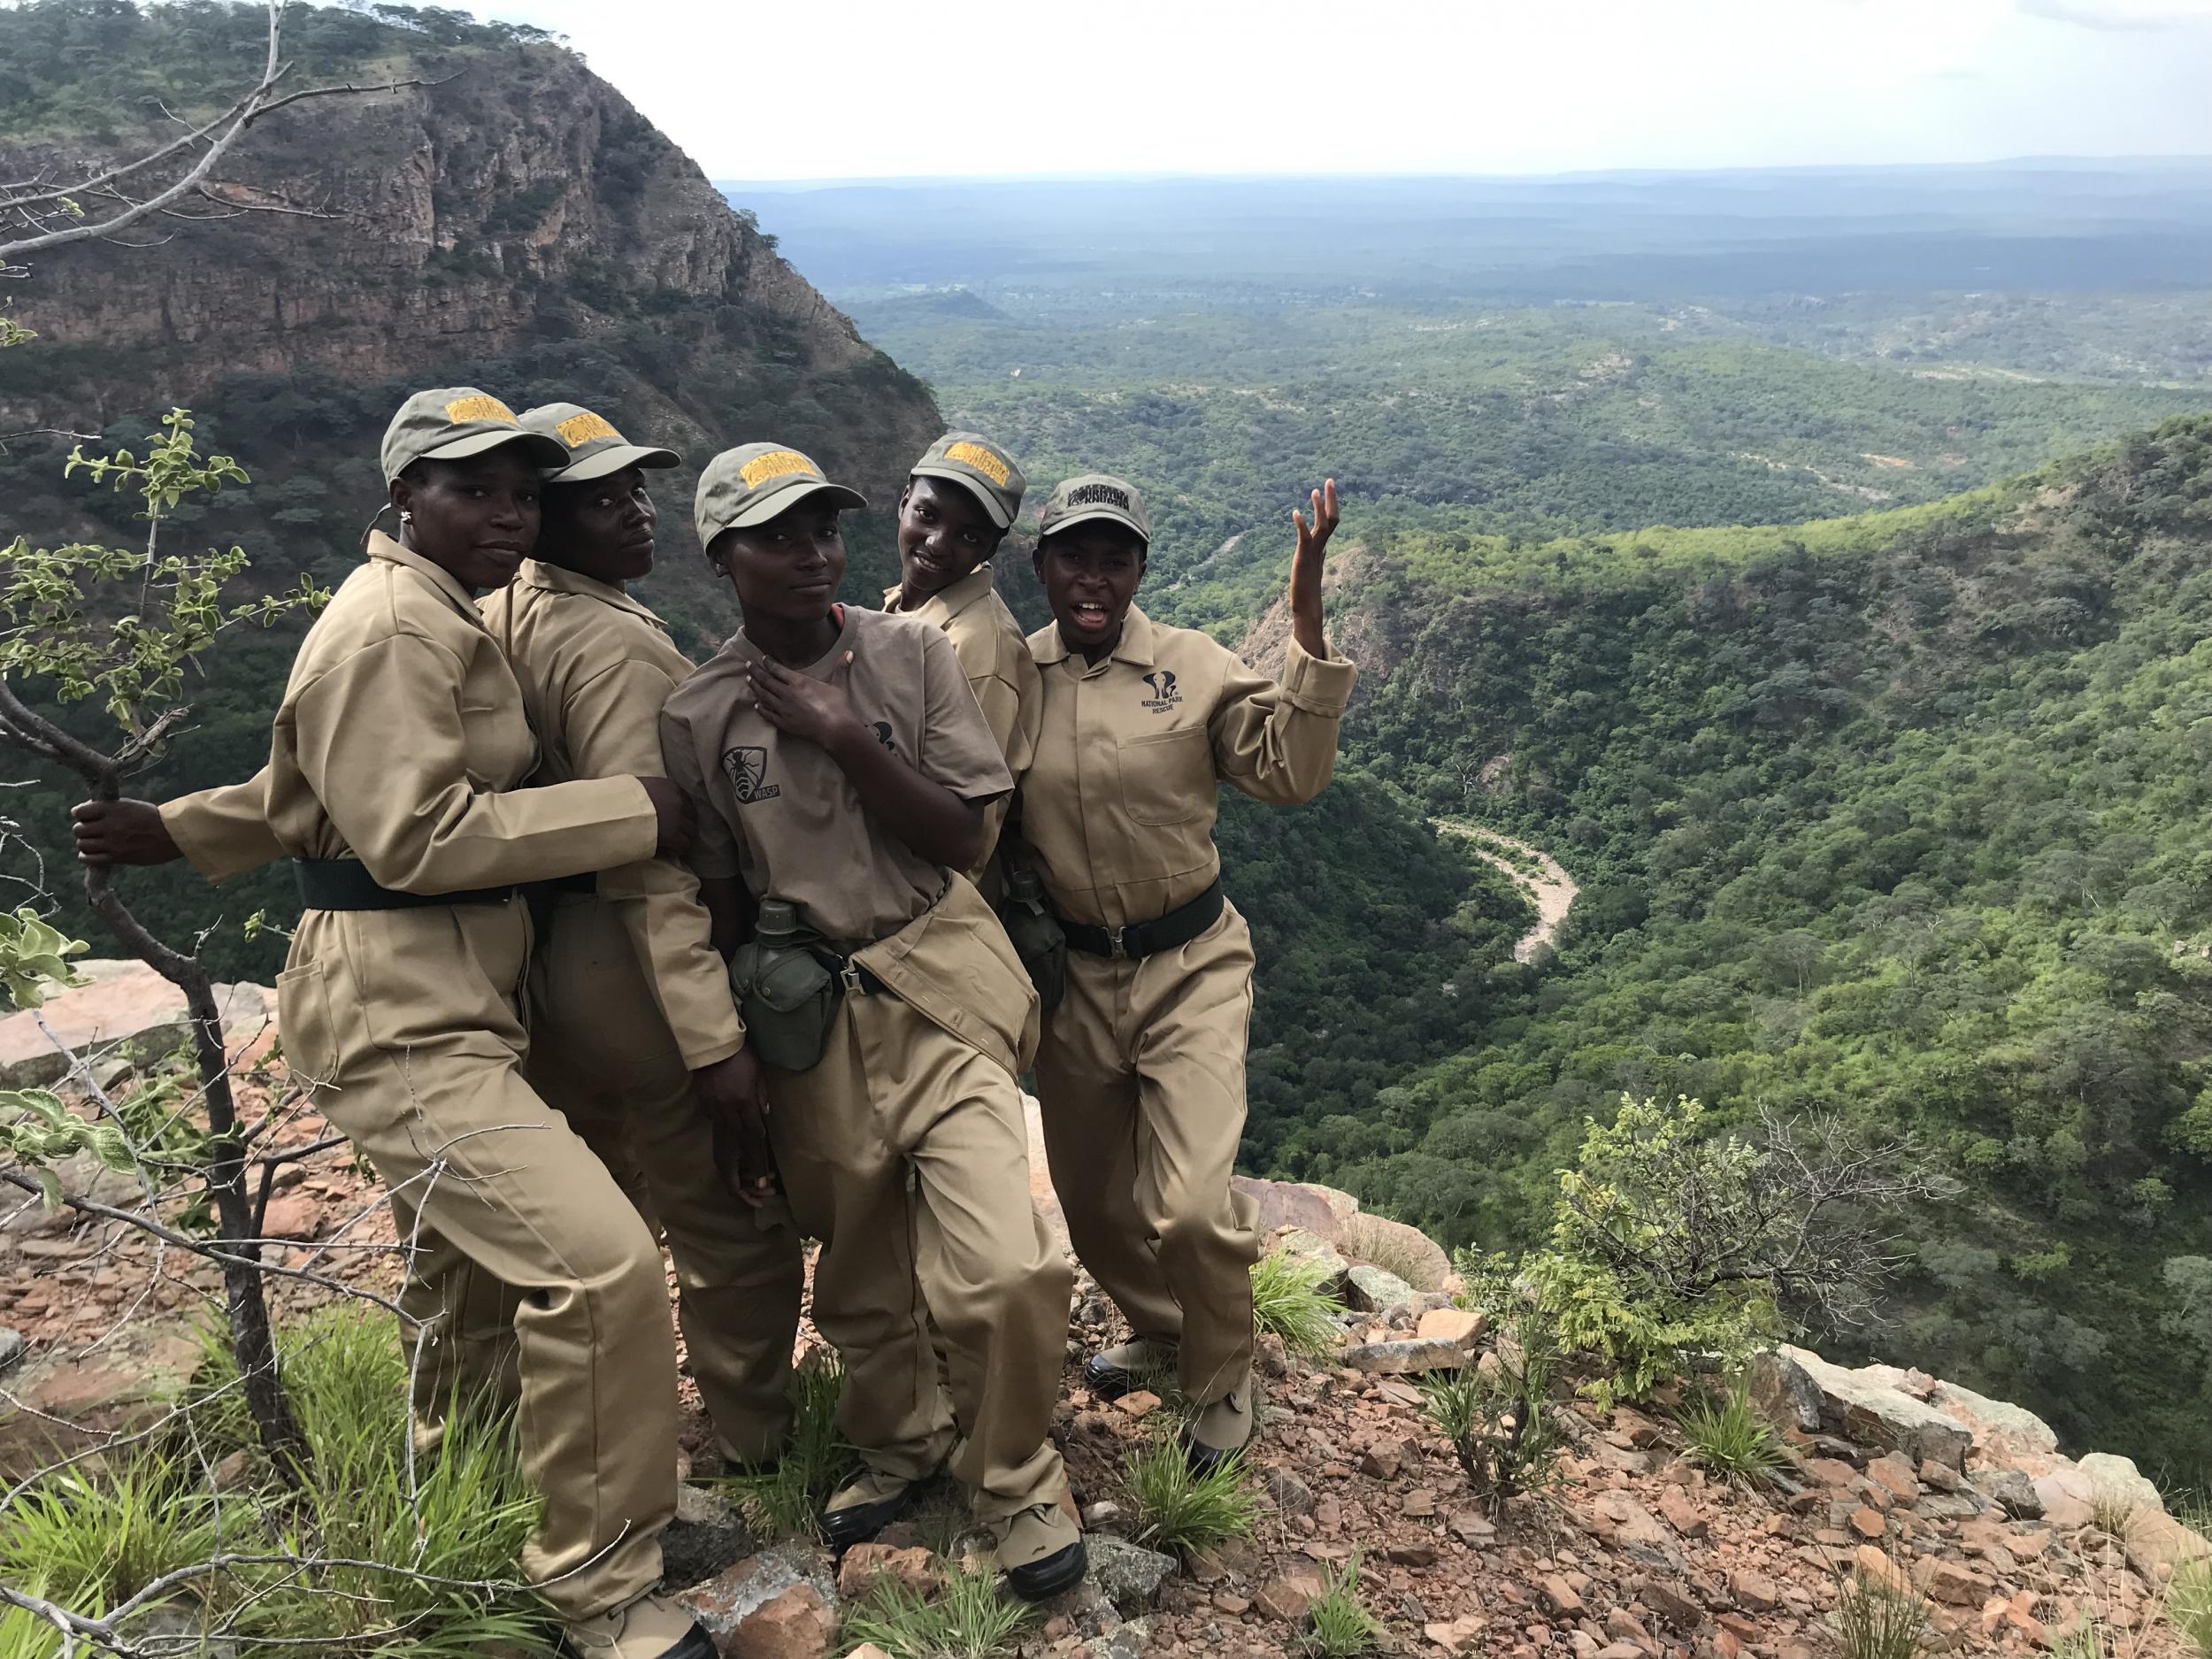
x,y
381,742
1277,741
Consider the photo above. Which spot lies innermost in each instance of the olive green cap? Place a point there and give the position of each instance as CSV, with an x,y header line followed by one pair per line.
x,y
1094,495
455,422
754,482
987,472
594,447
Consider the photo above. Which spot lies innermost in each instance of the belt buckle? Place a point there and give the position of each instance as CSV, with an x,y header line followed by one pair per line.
x,y
850,974
1116,950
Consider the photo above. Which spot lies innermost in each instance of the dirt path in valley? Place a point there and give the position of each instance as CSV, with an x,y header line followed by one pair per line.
x,y
1551,890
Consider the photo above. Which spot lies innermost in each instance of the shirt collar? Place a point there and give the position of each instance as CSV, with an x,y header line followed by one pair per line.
x,y
1134,646
949,601
558,579
822,667
382,547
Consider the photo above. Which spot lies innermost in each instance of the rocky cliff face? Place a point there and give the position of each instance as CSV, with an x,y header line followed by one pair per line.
x,y
518,221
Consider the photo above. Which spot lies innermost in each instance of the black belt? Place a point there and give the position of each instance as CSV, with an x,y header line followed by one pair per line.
x,y
1179,927
855,976
588,882
345,884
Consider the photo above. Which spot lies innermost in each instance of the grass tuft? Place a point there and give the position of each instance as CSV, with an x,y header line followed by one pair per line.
x,y
1339,1625
2189,1603
1176,1509
972,1619
2115,1513
1874,1620
1727,1435
787,1502
1288,1302
449,1584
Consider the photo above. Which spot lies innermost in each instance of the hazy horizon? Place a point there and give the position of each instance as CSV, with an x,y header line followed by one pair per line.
x,y
1429,87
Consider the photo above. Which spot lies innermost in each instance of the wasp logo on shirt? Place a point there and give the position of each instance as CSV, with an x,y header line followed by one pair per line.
x,y
1164,695
748,767
883,735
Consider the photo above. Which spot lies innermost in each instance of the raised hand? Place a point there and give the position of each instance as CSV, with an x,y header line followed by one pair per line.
x,y
1305,570
819,710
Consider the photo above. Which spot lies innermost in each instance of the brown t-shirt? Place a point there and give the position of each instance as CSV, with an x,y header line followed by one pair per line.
x,y
779,811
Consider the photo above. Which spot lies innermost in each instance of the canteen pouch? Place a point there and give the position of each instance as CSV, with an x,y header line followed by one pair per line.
x,y
1038,939
786,990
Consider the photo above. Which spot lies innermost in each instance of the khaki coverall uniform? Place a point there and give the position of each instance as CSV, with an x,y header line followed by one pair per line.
x,y
1141,1070
402,743
904,1148
612,1046
1000,673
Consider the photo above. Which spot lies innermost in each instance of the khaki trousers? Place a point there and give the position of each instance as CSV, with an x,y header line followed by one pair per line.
x,y
1141,1084
602,1055
903,1151
406,1023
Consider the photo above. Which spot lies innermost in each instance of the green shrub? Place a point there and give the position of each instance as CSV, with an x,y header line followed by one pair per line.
x,y
1339,1625
1498,1416
1288,1301
970,1619
1727,1435
1176,1509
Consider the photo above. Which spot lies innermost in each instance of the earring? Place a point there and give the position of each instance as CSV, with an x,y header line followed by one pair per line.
x,y
406,517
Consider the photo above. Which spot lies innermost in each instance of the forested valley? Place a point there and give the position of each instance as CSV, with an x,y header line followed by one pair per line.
x,y
1831,608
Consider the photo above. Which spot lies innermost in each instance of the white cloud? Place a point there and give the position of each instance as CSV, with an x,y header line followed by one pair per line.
x,y
1460,86
2121,14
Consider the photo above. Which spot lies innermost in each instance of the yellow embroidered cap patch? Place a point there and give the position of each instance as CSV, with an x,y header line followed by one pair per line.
x,y
980,458
582,429
482,406
775,464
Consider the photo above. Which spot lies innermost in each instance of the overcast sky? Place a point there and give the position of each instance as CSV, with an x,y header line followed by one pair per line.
x,y
850,89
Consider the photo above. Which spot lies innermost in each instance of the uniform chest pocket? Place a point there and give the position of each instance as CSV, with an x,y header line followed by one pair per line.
x,y
1168,777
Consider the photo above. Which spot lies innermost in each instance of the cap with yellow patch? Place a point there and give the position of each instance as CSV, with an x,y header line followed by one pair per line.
x,y
1094,495
593,446
753,483
988,472
455,422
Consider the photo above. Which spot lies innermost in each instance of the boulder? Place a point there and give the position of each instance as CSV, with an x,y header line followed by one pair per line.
x,y
1411,1254
1782,1393
1412,1354
2110,1474
123,1002
725,1600
1462,1325
2002,1433
1129,1575
2157,1544
2011,1491
1295,1204
1311,1247
795,1624
1868,1409
1042,1199
1374,1290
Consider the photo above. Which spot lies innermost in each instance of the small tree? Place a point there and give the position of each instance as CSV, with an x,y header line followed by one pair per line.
x,y
85,621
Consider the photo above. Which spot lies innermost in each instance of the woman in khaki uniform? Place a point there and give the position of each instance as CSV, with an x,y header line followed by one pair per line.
x,y
963,496
1141,1070
595,665
841,771
393,784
